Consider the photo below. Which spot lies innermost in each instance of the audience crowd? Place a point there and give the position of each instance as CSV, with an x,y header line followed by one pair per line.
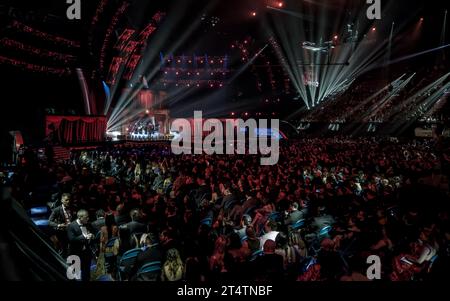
x,y
138,212
366,103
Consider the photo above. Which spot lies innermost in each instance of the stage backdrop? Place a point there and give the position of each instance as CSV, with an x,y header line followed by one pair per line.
x,y
75,129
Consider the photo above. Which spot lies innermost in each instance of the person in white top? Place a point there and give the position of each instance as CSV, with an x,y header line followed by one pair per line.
x,y
271,232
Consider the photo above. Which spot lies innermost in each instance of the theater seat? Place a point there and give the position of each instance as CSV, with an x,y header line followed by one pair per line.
x,y
207,221
39,211
324,232
150,268
256,254
298,225
41,223
127,261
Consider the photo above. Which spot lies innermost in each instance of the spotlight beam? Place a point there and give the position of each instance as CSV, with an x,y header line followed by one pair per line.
x,y
408,57
414,98
153,53
291,13
248,64
373,111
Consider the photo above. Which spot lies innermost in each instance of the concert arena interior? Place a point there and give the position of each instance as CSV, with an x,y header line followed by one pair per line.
x,y
350,97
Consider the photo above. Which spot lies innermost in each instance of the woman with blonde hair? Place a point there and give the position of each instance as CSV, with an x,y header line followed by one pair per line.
x,y
173,268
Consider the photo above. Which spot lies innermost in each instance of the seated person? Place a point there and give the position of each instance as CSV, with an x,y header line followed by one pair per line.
x,y
245,222
408,265
293,215
151,253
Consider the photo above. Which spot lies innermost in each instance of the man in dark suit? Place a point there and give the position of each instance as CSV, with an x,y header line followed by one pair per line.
x,y
294,215
100,221
121,217
135,226
62,215
60,218
80,235
151,253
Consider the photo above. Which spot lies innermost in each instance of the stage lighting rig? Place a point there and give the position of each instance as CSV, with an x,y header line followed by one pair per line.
x,y
323,47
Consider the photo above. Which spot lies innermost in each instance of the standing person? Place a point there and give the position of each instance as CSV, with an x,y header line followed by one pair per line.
x,y
135,226
106,265
100,221
79,234
60,218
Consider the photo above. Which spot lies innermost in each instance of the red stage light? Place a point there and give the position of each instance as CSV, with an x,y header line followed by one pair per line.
x,y
335,37
280,4
232,114
253,14
374,28
421,19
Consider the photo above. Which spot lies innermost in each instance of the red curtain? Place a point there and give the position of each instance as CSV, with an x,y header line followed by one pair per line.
x,y
76,129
